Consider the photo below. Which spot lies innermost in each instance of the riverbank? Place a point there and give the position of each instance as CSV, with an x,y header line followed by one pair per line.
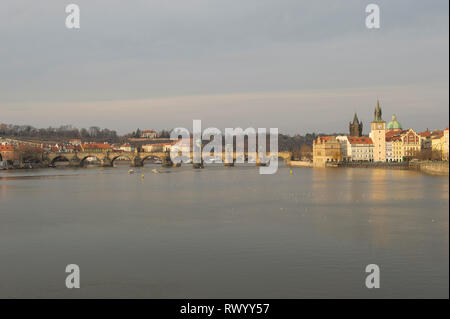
x,y
388,165
427,167
300,164
432,168
5,167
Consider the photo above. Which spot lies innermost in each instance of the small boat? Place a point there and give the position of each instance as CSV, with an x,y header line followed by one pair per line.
x,y
130,171
155,171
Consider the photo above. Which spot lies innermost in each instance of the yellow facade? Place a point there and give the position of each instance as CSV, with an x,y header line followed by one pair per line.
x,y
397,150
437,145
326,149
411,143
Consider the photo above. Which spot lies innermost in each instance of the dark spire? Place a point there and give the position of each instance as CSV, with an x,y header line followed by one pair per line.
x,y
378,112
355,119
356,127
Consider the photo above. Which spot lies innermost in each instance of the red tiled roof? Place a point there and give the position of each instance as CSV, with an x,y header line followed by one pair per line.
x,y
437,134
360,140
393,138
97,145
391,133
5,148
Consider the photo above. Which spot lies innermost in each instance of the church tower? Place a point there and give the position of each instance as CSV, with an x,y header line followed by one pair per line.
x,y
356,127
378,136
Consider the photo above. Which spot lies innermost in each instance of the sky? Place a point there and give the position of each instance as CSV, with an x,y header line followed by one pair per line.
x,y
300,66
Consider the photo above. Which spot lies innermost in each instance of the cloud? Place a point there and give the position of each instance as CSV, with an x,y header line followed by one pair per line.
x,y
152,50
292,112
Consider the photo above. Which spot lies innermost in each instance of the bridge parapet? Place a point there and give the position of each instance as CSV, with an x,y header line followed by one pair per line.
x,y
137,158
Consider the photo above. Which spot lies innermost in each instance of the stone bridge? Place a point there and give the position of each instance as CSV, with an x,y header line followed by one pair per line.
x,y
105,158
136,158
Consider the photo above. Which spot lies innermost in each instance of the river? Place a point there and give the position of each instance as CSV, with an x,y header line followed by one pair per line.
x,y
223,232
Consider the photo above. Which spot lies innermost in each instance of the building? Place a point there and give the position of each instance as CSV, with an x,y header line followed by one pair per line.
x,y
397,149
361,148
326,149
394,148
148,148
96,147
127,147
402,144
149,134
9,153
157,147
411,143
437,144
72,148
425,139
356,127
378,136
75,141
356,148
345,146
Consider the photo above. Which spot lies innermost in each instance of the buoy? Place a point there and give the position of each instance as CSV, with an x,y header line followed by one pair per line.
x,y
290,172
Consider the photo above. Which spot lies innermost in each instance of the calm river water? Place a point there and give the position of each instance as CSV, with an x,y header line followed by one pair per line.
x,y
223,233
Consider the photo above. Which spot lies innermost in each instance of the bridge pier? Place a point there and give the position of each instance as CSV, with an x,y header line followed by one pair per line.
x,y
75,162
106,162
136,162
167,161
198,165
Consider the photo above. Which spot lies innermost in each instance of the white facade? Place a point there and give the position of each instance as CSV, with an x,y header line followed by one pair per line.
x,y
389,151
149,134
126,148
159,147
356,148
346,148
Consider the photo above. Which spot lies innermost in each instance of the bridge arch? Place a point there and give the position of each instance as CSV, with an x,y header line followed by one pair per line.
x,y
150,156
59,158
85,157
116,157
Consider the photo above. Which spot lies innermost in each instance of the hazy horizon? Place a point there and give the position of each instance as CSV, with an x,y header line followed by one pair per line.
x,y
296,65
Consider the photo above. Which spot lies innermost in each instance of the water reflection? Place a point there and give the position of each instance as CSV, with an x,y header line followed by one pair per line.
x,y
221,232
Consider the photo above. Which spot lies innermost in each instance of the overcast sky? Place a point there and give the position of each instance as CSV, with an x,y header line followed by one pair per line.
x,y
301,66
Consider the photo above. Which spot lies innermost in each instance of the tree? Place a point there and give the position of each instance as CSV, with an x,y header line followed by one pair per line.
x,y
305,152
164,134
138,133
